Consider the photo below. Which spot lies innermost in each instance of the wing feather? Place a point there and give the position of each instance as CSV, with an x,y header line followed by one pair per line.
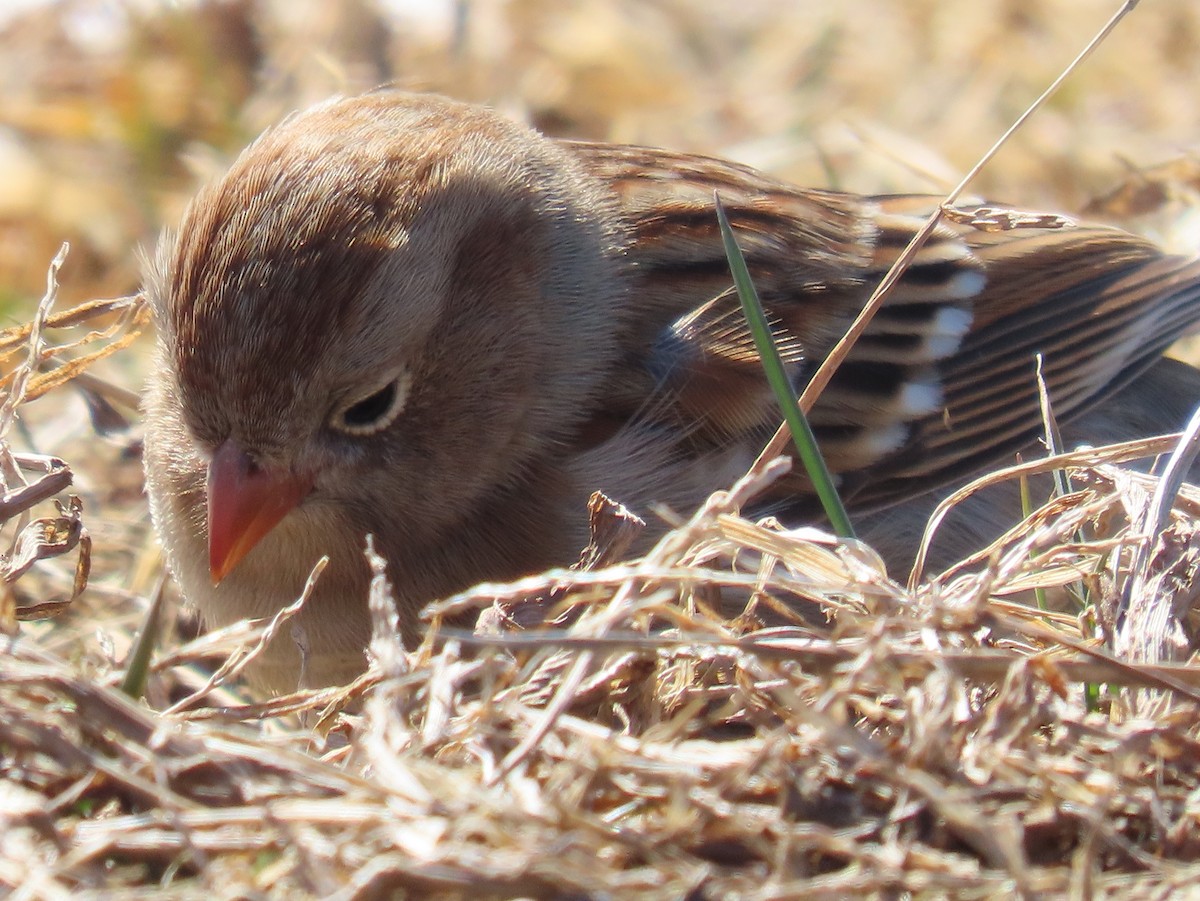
x,y
944,380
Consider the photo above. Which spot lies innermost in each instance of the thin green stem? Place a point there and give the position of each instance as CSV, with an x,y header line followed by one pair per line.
x,y
802,435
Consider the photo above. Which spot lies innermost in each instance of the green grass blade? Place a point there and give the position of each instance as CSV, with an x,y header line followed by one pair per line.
x,y
137,669
802,435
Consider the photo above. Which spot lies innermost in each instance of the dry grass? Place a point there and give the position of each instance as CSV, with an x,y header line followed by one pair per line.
x,y
609,732
941,740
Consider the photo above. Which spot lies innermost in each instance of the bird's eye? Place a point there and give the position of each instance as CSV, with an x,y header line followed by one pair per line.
x,y
375,411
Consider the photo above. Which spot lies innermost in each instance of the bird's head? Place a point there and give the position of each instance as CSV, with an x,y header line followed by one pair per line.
x,y
390,305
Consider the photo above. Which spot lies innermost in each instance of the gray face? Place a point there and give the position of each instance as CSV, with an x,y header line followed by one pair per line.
x,y
358,301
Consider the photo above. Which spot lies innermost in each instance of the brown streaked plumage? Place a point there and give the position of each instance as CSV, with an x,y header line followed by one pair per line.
x,y
410,317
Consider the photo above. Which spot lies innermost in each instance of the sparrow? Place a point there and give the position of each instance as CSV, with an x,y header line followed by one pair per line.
x,y
410,317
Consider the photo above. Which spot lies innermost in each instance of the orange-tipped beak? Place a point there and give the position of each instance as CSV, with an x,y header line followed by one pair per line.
x,y
244,504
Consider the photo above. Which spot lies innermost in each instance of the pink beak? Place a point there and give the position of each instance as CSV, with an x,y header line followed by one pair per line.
x,y
244,504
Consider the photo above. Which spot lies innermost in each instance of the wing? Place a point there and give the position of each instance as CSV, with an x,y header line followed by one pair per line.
x,y
944,380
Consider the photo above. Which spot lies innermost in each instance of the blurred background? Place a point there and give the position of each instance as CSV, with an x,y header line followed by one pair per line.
x,y
112,112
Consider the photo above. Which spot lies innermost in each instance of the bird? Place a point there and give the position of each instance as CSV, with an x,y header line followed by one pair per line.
x,y
410,317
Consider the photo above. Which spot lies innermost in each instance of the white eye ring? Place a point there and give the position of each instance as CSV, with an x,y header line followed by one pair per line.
x,y
376,409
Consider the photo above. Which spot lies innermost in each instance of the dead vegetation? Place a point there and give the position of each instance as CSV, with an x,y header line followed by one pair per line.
x,y
940,740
